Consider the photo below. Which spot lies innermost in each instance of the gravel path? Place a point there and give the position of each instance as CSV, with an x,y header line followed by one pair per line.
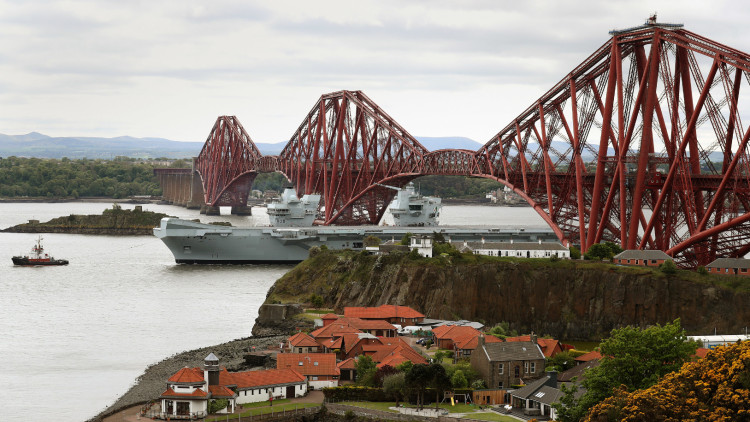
x,y
154,380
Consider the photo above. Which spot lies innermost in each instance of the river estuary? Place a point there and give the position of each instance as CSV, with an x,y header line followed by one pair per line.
x,y
75,337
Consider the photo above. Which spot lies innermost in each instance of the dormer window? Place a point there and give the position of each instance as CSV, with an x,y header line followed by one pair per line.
x,y
315,363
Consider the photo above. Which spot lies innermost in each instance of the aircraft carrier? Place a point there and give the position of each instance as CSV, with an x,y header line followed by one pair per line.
x,y
197,243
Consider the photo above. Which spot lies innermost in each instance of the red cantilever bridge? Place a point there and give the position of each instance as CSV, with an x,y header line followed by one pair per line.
x,y
642,144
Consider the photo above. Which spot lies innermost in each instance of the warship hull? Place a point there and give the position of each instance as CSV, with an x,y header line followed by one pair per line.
x,y
197,243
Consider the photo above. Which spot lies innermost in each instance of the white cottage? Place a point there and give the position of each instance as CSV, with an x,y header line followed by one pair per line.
x,y
190,390
516,249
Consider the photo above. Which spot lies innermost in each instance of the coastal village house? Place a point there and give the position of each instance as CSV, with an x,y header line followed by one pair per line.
x,y
644,258
536,398
506,364
190,390
318,368
729,266
302,343
516,249
395,314
549,346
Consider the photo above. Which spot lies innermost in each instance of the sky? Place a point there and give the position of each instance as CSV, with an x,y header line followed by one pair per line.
x,y
169,68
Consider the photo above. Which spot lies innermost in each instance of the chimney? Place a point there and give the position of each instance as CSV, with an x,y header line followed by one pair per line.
x,y
540,241
552,381
480,340
532,338
483,240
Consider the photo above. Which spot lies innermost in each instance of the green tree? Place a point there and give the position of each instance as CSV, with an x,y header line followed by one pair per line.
x,y
668,267
395,385
561,361
372,241
365,371
316,301
438,380
458,380
405,239
599,251
575,253
417,380
631,357
614,247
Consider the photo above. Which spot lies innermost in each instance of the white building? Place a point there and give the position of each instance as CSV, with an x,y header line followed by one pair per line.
x,y
712,342
422,243
516,249
190,390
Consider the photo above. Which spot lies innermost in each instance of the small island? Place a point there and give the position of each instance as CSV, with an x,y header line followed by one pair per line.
x,y
113,221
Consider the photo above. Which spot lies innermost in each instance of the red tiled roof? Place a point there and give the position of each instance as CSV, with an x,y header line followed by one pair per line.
x,y
439,330
589,356
188,375
254,379
220,392
382,312
347,364
198,393
701,352
308,363
548,345
456,332
471,342
329,316
333,344
392,360
302,340
334,329
382,353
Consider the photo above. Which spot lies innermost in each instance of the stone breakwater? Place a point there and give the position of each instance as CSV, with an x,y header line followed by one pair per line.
x,y
153,381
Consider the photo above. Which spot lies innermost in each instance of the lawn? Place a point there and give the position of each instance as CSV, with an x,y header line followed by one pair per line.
x,y
262,410
384,406
492,416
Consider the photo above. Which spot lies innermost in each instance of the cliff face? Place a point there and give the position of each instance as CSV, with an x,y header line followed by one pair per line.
x,y
570,300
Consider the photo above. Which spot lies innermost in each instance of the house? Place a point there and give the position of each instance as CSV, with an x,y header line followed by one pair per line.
x,y
422,243
505,364
348,370
536,398
393,352
732,266
395,314
465,346
318,368
587,357
537,249
189,390
644,258
302,343
445,336
257,386
550,347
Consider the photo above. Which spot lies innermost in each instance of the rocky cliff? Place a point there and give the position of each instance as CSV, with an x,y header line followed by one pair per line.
x,y
567,299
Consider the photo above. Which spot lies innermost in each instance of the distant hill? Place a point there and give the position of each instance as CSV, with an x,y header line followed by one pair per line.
x,y
38,145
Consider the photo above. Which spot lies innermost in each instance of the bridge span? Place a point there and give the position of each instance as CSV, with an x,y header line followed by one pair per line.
x,y
644,143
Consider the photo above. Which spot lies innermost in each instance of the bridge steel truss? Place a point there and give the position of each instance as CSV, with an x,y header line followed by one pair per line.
x,y
642,144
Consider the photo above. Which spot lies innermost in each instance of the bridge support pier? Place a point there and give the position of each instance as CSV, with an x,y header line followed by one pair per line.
x,y
242,210
209,210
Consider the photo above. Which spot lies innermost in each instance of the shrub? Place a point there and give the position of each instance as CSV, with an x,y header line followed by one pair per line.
x,y
702,270
349,415
668,267
316,301
216,405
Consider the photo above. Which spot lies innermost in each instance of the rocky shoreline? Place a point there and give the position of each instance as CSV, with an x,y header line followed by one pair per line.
x,y
153,381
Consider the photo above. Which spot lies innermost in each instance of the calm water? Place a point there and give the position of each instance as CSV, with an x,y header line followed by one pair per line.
x,y
75,337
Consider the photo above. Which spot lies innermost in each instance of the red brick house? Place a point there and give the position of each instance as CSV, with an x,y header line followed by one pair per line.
x,y
730,266
508,363
319,368
644,258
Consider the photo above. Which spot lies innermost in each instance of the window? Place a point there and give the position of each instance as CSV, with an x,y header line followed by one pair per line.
x,y
315,363
500,384
533,367
501,368
517,371
300,363
526,367
314,378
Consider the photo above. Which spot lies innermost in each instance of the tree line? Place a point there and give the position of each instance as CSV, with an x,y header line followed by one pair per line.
x,y
123,177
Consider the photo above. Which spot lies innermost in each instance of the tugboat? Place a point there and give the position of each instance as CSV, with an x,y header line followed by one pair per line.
x,y
38,257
